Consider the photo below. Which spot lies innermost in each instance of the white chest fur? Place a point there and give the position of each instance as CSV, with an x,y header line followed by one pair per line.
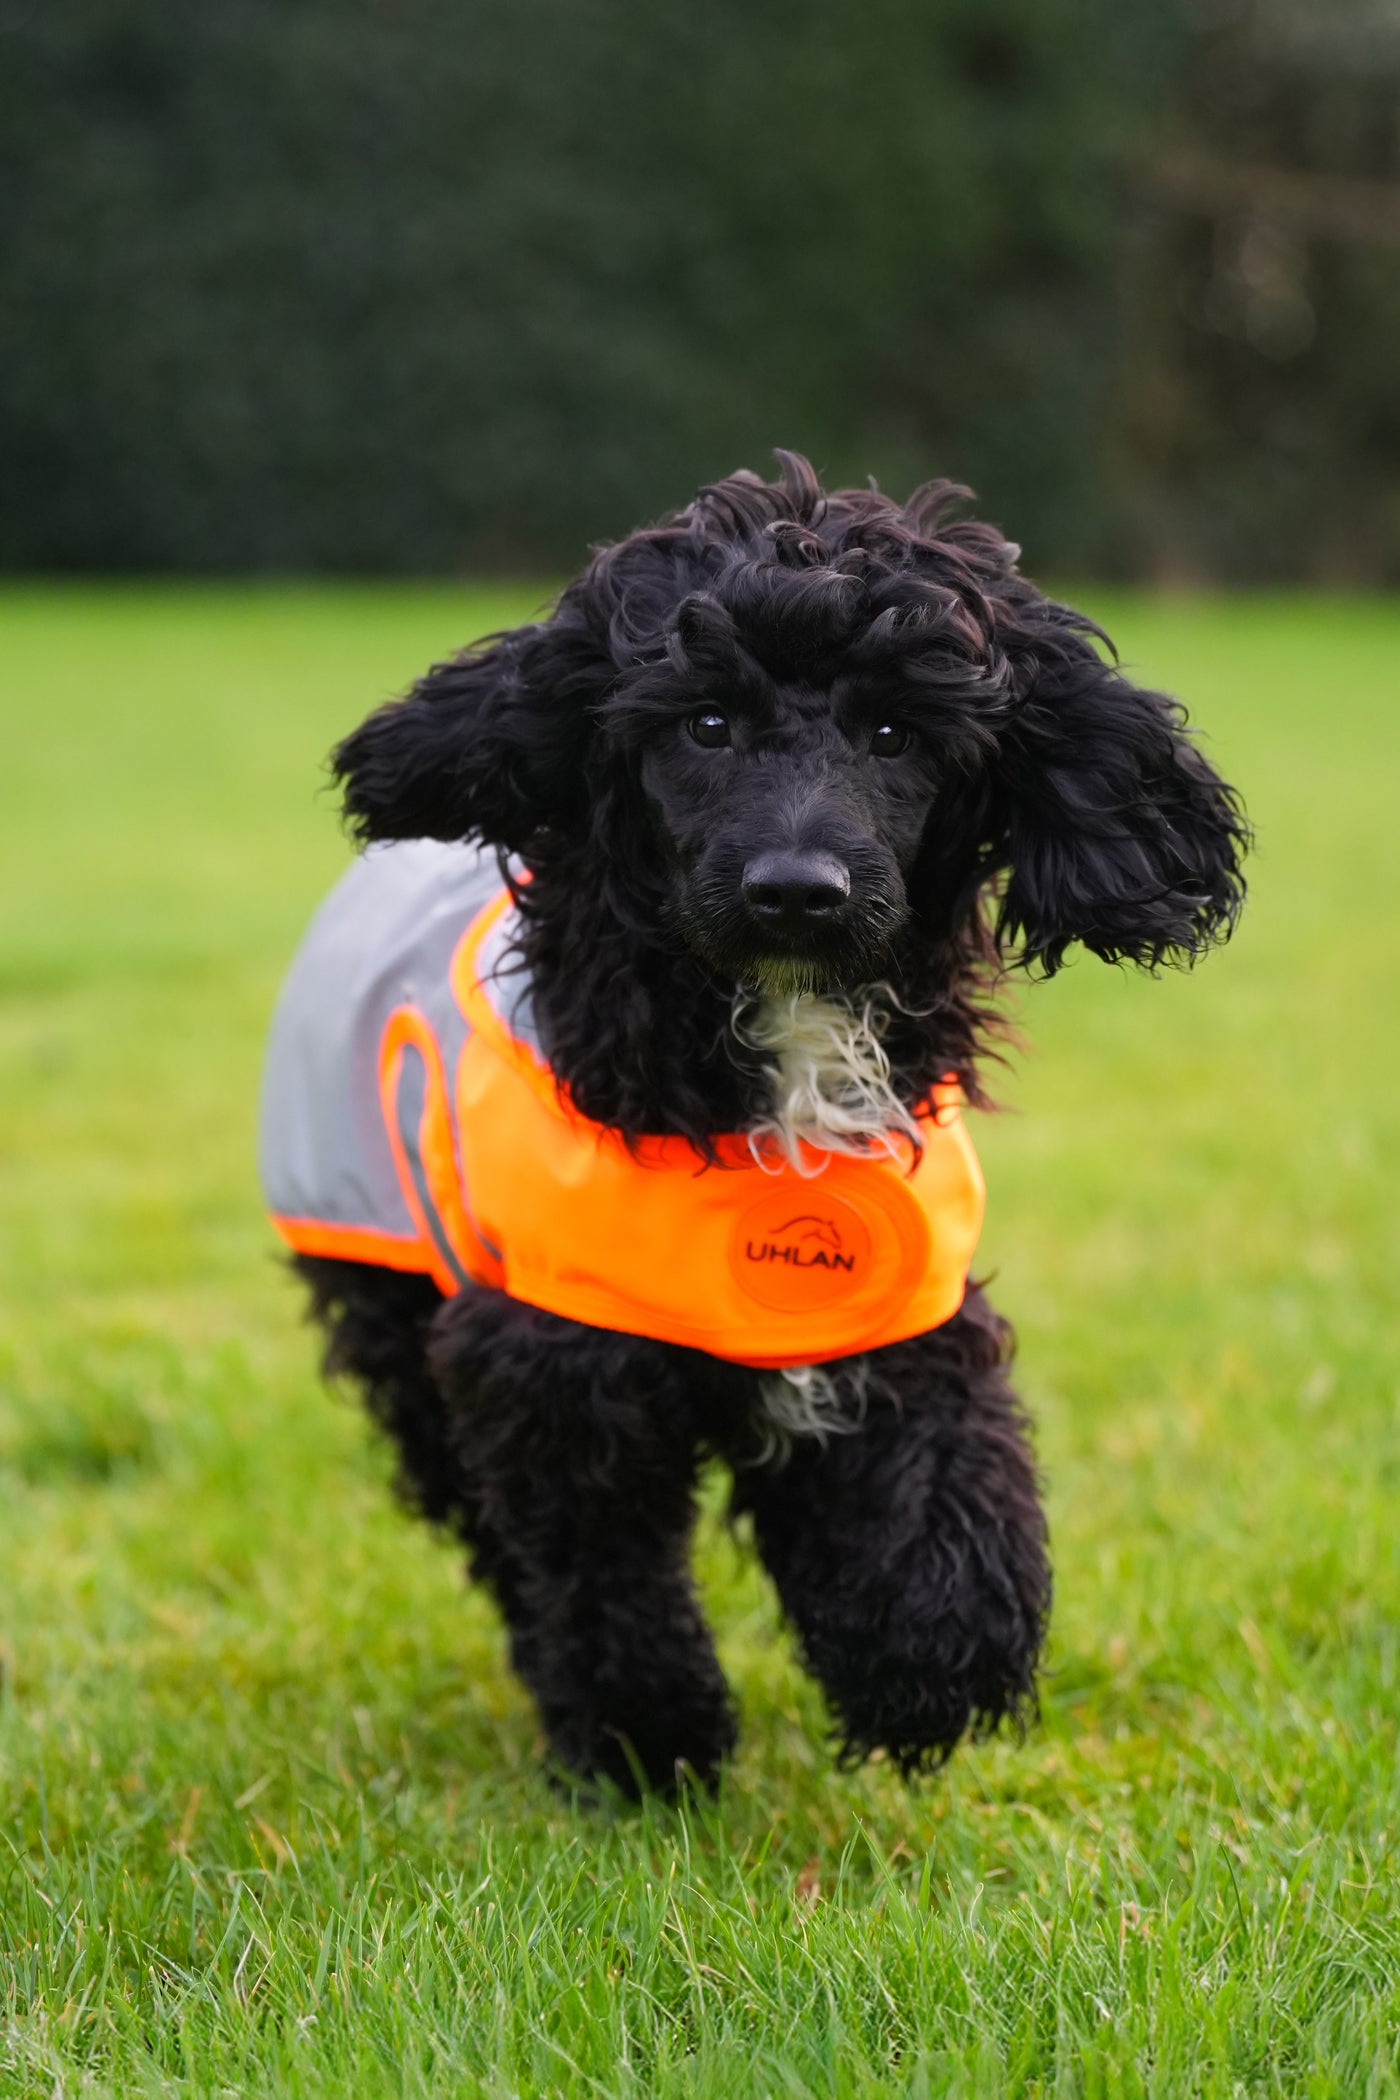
x,y
830,1090
828,1074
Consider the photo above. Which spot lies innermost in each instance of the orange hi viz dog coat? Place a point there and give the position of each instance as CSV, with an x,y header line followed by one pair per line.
x,y
411,1119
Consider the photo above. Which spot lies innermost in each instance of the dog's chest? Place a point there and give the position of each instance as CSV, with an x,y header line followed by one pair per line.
x,y
829,1083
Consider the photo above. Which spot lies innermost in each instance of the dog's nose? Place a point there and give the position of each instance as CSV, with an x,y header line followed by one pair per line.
x,y
794,891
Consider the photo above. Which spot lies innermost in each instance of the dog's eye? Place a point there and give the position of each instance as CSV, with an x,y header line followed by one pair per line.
x,y
889,740
710,729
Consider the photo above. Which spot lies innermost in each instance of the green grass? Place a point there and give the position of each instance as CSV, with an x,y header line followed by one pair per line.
x,y
270,1812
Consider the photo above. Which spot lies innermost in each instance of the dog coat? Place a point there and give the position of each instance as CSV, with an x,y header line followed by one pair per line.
x,y
411,1119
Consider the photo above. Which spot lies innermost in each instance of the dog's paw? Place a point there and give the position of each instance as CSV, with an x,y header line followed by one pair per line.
x,y
661,1749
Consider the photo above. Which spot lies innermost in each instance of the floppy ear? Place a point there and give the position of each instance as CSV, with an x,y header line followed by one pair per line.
x,y
489,745
1116,832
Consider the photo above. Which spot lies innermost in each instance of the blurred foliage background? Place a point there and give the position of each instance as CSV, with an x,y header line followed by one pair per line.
x,y
436,285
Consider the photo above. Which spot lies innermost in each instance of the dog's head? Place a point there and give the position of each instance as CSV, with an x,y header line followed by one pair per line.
x,y
794,725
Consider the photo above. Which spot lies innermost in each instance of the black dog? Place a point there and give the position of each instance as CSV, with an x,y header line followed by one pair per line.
x,y
781,786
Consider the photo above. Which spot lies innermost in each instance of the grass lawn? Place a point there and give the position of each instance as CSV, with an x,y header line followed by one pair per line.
x,y
270,1812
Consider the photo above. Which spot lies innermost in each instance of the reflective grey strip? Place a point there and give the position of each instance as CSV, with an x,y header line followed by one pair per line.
x,y
383,938
410,1099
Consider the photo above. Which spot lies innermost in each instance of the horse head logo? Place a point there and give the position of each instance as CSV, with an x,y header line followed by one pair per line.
x,y
809,1227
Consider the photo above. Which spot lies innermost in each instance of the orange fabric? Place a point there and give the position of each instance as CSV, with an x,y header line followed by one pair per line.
x,y
436,1149
755,1263
758,1264
388,1250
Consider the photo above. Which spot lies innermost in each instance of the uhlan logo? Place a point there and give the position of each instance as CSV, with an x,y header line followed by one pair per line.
x,y
807,1242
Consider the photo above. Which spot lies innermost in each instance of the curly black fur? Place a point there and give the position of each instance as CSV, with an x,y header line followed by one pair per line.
x,y
891,694
932,1514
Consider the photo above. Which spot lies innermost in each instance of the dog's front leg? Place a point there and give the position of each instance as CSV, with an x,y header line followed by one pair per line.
x,y
910,1552
578,1451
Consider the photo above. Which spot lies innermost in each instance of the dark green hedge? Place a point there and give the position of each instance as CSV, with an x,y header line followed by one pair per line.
x,y
414,285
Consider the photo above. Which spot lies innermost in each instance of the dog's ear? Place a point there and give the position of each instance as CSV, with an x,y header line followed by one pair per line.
x,y
1114,831
490,745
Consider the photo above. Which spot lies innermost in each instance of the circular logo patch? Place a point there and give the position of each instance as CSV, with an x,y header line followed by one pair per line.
x,y
798,1250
